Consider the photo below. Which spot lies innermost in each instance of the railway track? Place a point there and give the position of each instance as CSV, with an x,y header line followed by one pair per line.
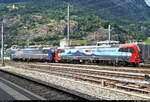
x,y
145,70
134,82
43,89
111,68
98,70
109,81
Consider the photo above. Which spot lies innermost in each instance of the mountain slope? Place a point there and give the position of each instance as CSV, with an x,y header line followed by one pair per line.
x,y
12,1
123,8
126,9
45,20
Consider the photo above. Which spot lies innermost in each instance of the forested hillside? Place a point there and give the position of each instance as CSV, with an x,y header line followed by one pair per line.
x,y
12,1
45,21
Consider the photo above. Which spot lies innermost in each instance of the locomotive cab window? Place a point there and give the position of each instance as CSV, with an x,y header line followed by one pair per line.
x,y
131,50
61,51
53,50
123,50
127,50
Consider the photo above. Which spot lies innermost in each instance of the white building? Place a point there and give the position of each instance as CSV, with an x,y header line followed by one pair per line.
x,y
64,43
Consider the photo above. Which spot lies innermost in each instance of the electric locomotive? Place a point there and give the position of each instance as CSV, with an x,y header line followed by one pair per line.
x,y
121,54
33,54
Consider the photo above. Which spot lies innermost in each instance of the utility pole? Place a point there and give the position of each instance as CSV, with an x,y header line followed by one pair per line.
x,y
68,24
109,33
28,41
2,44
28,37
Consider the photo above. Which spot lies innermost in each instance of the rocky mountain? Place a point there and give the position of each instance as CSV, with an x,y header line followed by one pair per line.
x,y
130,9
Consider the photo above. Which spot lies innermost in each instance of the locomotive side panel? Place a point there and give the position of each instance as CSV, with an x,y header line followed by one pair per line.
x,y
97,54
31,54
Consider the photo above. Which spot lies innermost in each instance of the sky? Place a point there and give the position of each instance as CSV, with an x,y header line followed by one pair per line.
x,y
147,2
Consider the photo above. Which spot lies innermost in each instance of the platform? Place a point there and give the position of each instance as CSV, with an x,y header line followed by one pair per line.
x,y
11,91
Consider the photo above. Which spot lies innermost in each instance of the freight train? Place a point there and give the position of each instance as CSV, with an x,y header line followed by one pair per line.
x,y
119,54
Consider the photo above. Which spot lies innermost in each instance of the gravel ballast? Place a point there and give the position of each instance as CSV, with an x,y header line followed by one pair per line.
x,y
80,86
